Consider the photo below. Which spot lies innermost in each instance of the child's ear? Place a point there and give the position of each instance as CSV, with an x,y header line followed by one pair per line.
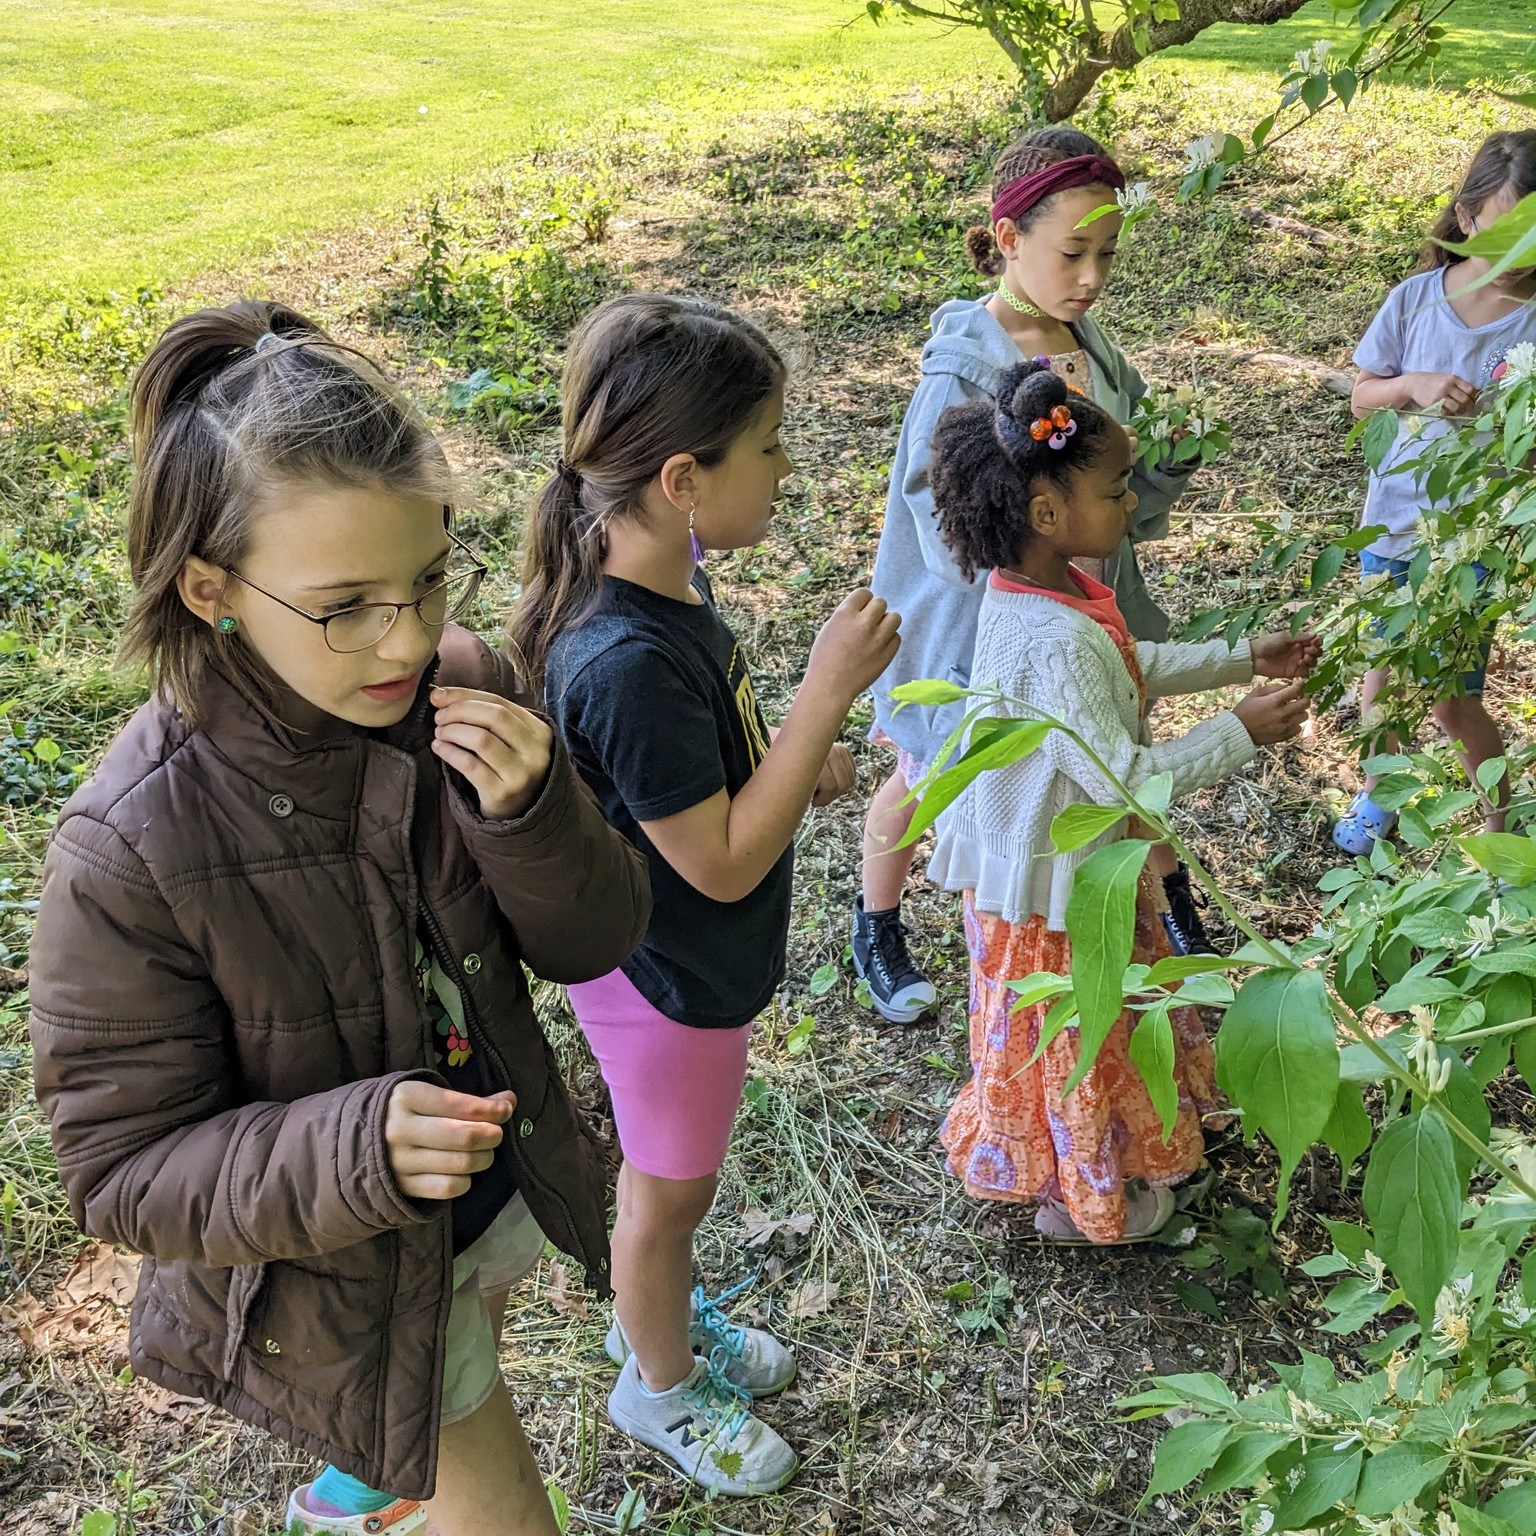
x,y
1465,221
679,478
203,589
1006,234
1045,514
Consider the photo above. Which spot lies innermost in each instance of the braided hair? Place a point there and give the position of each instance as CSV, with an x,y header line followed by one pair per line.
x,y
1033,152
987,463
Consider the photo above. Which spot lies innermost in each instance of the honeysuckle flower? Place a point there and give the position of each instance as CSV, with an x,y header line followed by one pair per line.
x,y
1202,152
1131,199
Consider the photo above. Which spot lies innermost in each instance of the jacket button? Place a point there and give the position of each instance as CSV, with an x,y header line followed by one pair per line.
x,y
280,805
526,1128
471,965
272,1347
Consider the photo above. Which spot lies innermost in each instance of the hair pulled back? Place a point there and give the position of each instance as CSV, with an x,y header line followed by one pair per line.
x,y
232,405
647,376
1502,160
1032,152
986,466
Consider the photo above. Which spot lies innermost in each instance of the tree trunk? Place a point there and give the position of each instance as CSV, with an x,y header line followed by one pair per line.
x,y
1119,51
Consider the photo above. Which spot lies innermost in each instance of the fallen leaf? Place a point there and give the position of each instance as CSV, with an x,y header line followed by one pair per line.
x,y
762,1228
813,1298
102,1272
562,1296
75,1327
167,1405
892,1124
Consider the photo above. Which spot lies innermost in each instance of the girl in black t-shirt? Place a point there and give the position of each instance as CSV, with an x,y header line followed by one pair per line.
x,y
672,414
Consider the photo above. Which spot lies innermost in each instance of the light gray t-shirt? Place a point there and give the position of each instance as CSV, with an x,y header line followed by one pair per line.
x,y
1417,331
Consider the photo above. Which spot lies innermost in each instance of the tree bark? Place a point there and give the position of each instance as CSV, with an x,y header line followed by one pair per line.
x,y
1118,50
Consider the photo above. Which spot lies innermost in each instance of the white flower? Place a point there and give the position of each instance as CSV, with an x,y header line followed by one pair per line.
x,y
1132,198
1453,1326
1202,152
1519,364
1311,61
1514,1310
1375,1269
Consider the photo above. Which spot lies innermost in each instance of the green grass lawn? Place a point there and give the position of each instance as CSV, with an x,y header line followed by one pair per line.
x,y
150,139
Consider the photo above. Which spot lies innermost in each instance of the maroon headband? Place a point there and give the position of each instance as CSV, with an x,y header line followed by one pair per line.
x,y
1021,194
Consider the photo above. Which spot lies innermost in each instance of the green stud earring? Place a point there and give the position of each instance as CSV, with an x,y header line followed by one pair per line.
x,y
228,624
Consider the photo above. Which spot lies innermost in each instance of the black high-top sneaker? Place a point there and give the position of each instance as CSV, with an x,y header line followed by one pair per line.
x,y
1181,922
899,991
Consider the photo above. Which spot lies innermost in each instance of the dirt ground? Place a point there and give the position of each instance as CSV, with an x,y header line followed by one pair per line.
x,y
955,1370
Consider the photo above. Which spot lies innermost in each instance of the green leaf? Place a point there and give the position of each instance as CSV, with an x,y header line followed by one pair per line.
x,y
1277,1059
1007,742
561,1506
1412,1196
630,1515
1395,1474
798,1040
1079,824
1378,437
823,979
1156,794
1351,1240
1505,855
99,1523
1463,1098
1151,1053
1509,242
1198,1298
1185,1452
1203,1388
1326,566
1481,1522
1173,968
1516,1504
1348,1130
1345,84
928,691
1101,922
1242,1463
1328,1478
1314,91
1262,130
1037,987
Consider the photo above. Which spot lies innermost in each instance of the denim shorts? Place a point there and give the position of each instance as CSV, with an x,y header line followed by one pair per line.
x,y
1472,682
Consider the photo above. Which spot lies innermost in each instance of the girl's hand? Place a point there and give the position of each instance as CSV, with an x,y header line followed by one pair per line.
x,y
837,778
501,748
854,647
1285,655
1454,395
437,1138
1274,713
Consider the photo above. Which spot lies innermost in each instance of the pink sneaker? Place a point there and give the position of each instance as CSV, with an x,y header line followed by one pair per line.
x,y
405,1517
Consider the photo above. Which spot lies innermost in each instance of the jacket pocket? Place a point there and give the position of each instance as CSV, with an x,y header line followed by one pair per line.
x,y
245,1284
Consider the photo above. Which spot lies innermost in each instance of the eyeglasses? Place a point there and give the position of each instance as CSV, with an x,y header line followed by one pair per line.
x,y
363,627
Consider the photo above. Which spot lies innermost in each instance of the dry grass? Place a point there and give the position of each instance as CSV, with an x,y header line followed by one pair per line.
x,y
909,1419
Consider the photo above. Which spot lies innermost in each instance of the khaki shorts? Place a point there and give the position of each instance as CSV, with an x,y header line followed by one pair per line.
x,y
502,1254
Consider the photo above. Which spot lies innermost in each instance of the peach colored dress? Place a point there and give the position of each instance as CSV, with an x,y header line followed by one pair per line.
x,y
1010,1134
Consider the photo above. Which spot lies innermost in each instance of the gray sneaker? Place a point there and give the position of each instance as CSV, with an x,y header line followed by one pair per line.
x,y
756,1362
705,1427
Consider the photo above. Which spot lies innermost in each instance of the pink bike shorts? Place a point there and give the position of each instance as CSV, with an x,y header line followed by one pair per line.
x,y
675,1089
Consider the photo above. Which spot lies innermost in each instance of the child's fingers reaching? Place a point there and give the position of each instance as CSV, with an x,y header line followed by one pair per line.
x,y
837,777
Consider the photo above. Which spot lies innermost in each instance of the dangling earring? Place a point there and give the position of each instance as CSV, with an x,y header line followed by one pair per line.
x,y
695,548
228,624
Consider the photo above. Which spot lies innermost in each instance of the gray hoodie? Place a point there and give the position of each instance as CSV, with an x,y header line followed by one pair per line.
x,y
914,570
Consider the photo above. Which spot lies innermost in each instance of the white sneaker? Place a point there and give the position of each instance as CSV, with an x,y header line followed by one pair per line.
x,y
705,1426
757,1362
405,1517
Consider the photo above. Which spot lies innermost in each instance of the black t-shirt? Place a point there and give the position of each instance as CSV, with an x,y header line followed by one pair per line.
x,y
654,701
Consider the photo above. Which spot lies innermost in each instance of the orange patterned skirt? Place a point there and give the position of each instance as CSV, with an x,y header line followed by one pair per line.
x,y
1011,1136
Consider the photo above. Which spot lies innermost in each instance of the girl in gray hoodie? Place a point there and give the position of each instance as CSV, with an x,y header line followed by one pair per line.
x,y
1051,269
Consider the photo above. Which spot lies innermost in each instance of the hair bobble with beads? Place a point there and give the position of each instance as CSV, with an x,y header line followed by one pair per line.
x,y
1055,429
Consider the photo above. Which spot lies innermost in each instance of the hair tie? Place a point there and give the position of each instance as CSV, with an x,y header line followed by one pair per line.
x,y
1024,192
1055,429
568,473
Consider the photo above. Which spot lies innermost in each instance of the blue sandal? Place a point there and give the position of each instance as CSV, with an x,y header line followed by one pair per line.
x,y
1362,824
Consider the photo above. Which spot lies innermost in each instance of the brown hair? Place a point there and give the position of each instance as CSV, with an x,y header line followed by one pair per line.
x,y
230,405
986,463
646,377
1502,160
1032,152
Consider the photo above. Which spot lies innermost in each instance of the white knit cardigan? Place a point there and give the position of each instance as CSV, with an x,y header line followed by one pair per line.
x,y
995,839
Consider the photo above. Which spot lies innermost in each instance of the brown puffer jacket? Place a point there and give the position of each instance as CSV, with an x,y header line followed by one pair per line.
x,y
223,997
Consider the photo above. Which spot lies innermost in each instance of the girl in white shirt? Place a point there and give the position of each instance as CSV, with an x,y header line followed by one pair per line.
x,y
1024,488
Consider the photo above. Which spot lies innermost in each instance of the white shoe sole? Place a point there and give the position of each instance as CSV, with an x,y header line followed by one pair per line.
x,y
695,1475
891,1012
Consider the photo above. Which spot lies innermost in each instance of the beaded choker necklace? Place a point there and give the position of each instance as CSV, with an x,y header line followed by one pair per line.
x,y
1018,305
